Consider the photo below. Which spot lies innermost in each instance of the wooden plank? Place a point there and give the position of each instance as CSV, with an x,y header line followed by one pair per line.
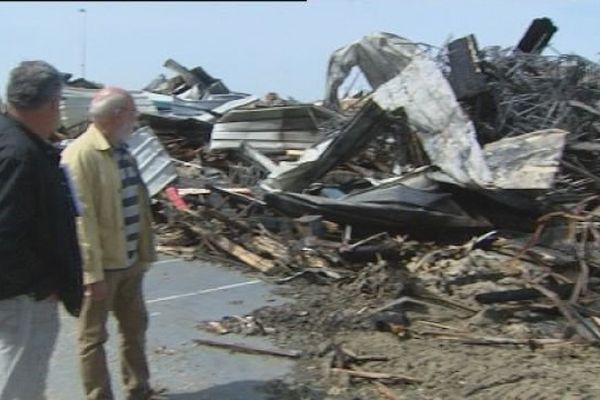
x,y
376,375
294,153
231,248
237,251
245,348
271,246
525,294
177,251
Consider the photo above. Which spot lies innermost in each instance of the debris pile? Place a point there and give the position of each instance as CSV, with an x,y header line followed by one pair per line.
x,y
403,184
462,188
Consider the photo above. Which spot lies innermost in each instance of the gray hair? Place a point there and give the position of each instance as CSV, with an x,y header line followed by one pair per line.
x,y
104,106
33,84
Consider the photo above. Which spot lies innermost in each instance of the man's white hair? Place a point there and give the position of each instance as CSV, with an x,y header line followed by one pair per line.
x,y
106,105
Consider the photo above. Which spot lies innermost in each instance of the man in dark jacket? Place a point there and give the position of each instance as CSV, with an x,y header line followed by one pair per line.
x,y
40,261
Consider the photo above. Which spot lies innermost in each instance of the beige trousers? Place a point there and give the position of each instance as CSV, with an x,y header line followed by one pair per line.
x,y
126,301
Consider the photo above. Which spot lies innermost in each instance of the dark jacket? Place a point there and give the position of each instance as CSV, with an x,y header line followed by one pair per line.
x,y
39,253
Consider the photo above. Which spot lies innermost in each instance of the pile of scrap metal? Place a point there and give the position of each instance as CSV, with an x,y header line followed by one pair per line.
x,y
193,94
445,148
197,113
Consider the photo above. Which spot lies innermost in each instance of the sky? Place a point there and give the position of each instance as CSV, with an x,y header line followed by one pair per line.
x,y
260,46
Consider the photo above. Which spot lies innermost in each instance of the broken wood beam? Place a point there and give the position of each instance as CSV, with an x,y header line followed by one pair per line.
x,y
376,375
237,251
466,77
247,257
245,348
503,296
237,195
537,36
268,245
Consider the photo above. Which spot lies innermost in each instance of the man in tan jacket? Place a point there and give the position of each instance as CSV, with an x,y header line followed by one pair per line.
x,y
117,244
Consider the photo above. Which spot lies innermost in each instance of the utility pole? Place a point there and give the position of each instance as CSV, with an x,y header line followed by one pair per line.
x,y
84,42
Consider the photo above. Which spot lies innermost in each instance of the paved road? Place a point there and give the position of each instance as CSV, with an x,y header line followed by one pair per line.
x,y
179,295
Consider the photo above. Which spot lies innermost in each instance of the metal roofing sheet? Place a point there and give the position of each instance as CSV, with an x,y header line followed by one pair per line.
x,y
156,166
285,128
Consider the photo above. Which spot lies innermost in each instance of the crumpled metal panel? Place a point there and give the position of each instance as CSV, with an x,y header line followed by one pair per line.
x,y
209,110
380,56
528,161
446,132
156,166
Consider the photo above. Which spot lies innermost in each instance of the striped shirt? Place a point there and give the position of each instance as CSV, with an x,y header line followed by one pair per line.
x,y
130,181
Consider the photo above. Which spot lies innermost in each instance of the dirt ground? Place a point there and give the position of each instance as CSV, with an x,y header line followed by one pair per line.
x,y
325,316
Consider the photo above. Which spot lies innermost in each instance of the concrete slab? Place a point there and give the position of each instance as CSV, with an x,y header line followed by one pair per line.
x,y
179,295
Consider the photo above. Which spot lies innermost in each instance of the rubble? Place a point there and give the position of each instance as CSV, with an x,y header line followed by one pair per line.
x,y
471,187
194,94
456,202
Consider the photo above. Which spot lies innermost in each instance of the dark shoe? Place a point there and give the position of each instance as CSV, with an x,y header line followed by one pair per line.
x,y
157,394
152,394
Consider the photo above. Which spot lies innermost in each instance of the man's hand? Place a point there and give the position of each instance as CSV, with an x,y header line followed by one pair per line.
x,y
96,291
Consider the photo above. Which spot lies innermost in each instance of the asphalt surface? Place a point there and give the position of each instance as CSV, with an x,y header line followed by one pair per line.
x,y
179,295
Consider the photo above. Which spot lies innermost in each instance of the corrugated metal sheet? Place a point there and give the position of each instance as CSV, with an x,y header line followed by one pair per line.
x,y
76,103
174,108
156,166
209,103
228,107
274,128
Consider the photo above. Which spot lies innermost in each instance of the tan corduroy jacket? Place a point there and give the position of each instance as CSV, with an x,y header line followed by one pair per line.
x,y
101,228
